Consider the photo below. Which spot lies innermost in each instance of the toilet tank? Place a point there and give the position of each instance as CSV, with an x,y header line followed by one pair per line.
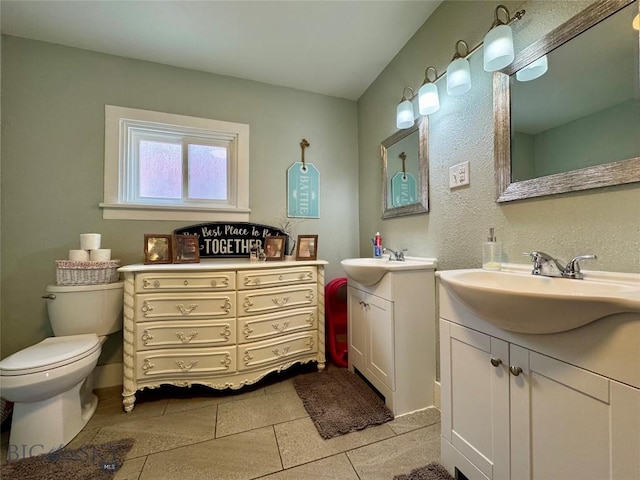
x,y
78,309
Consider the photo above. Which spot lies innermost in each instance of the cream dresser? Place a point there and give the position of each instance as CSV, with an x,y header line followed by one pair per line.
x,y
219,323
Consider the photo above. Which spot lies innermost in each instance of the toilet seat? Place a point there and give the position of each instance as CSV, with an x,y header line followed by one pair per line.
x,y
50,353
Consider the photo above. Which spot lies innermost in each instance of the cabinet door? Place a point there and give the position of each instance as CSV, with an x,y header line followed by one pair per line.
x,y
380,339
571,423
475,397
356,327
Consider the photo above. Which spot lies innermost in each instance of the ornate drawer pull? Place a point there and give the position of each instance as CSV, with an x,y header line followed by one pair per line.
x,y
306,276
311,318
147,365
223,283
247,304
310,296
309,343
186,338
226,306
280,302
279,328
247,358
146,336
146,283
146,307
226,361
186,310
186,366
278,353
226,332
247,331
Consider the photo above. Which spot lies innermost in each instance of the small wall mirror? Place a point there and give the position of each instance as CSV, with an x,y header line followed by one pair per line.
x,y
405,170
576,126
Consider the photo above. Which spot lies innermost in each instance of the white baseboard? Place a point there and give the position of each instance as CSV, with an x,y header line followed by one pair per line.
x,y
109,375
436,395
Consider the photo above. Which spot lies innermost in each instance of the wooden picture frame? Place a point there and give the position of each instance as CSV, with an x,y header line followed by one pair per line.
x,y
274,247
186,249
158,248
307,247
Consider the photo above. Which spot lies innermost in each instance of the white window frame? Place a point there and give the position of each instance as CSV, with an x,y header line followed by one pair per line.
x,y
123,124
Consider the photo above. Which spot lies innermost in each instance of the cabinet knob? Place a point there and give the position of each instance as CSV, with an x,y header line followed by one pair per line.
x,y
515,371
496,362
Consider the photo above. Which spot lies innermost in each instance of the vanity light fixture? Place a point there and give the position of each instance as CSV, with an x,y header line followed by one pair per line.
x,y
459,72
404,112
428,99
533,70
498,43
636,22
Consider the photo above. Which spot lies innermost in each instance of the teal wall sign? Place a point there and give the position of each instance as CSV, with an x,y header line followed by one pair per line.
x,y
303,190
403,189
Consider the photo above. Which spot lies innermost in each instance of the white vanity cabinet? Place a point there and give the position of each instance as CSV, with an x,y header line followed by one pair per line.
x,y
218,323
391,337
538,407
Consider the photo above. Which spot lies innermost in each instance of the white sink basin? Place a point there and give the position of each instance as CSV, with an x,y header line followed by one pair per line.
x,y
525,303
369,271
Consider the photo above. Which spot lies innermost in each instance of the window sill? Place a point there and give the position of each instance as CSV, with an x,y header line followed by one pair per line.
x,y
116,211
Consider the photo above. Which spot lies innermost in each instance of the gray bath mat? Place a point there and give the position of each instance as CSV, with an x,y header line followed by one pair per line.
x,y
340,402
433,471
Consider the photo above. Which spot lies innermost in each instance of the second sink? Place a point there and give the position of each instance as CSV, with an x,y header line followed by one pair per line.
x,y
369,271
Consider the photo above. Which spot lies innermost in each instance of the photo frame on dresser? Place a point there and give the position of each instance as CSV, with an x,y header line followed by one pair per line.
x,y
307,247
274,247
158,248
186,249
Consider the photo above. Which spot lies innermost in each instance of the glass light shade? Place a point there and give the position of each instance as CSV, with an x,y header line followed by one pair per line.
x,y
636,22
458,77
533,70
428,100
498,48
404,114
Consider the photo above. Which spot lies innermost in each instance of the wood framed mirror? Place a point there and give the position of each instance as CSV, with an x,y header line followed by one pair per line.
x,y
591,32
405,171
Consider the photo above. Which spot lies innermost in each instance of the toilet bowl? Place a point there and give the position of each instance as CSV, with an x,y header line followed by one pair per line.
x,y
47,381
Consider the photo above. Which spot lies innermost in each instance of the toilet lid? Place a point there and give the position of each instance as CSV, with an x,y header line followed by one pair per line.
x,y
50,353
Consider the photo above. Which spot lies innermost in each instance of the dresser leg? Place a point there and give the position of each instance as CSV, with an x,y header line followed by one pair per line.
x,y
321,366
128,401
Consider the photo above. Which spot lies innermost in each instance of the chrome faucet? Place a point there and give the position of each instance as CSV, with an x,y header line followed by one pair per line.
x,y
545,265
393,255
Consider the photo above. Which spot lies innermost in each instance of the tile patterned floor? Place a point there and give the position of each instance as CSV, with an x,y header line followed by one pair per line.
x,y
263,433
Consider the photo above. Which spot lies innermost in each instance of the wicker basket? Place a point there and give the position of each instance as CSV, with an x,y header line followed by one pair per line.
x,y
69,272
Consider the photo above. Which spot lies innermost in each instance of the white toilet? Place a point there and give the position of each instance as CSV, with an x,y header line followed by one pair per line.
x,y
45,381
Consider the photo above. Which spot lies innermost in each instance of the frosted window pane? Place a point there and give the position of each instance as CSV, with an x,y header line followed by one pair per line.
x,y
207,172
160,166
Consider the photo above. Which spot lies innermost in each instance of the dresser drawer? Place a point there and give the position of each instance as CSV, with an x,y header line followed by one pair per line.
x,y
274,277
185,305
192,281
174,334
262,327
277,351
269,300
185,362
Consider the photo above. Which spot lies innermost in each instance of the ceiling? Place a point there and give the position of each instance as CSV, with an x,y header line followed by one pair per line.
x,y
332,47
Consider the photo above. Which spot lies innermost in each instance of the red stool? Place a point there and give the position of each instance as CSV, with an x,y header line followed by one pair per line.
x,y
335,294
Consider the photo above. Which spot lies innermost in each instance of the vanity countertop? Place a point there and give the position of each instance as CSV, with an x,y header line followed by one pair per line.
x,y
217,264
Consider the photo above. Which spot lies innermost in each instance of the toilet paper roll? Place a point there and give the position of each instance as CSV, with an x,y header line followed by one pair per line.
x,y
79,255
100,255
90,241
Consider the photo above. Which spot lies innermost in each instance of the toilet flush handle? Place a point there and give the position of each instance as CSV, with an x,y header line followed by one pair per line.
x,y
50,296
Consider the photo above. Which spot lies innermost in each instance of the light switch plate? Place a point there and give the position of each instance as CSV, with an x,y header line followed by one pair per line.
x,y
459,175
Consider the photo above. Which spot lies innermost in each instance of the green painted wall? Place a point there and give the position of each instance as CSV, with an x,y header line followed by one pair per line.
x,y
53,101
603,221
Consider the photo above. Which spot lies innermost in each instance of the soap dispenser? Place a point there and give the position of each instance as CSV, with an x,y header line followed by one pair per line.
x,y
491,253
